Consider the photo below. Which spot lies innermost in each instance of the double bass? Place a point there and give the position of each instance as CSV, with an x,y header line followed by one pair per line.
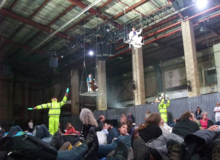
x,y
93,86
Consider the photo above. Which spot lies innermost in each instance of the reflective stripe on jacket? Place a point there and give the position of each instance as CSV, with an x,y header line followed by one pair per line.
x,y
54,107
163,107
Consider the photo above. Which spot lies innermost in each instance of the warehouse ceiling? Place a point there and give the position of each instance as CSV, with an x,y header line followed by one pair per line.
x,y
26,27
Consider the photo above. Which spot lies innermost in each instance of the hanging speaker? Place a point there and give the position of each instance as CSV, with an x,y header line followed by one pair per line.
x,y
53,62
99,49
112,49
105,49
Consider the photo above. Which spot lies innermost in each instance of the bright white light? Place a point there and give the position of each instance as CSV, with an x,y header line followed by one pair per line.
x,y
91,53
201,3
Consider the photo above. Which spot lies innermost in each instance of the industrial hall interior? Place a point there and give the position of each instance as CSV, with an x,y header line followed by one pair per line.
x,y
109,79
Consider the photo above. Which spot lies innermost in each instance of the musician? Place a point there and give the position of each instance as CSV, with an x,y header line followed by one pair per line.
x,y
89,80
134,37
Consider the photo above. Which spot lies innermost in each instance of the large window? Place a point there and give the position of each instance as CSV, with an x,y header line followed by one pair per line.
x,y
210,76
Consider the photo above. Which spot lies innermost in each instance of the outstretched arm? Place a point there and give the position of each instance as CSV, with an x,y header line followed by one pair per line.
x,y
168,102
43,106
138,33
64,100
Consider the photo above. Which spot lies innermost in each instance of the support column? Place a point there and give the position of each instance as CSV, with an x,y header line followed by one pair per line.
x,y
101,100
216,50
74,92
192,74
138,76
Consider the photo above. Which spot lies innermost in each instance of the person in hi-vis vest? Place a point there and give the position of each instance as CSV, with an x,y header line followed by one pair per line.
x,y
54,113
163,108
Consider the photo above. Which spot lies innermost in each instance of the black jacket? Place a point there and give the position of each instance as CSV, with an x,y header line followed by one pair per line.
x,y
198,142
85,131
198,114
100,126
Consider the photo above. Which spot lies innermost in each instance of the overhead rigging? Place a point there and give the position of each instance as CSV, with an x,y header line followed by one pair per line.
x,y
94,92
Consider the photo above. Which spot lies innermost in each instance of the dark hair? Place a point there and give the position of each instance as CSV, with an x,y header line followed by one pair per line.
x,y
130,124
185,115
67,125
104,124
121,124
153,119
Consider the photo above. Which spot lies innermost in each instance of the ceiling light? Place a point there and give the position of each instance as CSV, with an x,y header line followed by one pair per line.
x,y
107,28
91,53
202,29
120,57
61,56
201,3
150,66
155,44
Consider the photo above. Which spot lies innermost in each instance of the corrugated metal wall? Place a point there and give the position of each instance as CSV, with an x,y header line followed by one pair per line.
x,y
176,108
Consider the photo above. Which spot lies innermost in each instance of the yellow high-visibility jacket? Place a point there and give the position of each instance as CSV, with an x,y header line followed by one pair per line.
x,y
163,107
54,107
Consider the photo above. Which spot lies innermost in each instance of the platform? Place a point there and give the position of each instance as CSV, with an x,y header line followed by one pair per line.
x,y
93,94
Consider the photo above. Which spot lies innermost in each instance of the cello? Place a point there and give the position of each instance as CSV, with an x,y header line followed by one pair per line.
x,y
93,86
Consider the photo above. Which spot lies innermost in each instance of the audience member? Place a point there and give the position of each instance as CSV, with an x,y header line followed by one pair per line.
x,y
104,150
30,126
131,117
147,115
184,126
195,120
88,120
164,127
123,118
205,122
198,113
100,123
112,133
70,129
2,132
173,124
105,128
130,126
87,150
150,129
217,112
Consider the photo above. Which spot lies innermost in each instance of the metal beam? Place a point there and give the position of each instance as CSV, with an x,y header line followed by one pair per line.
x,y
124,88
213,31
39,26
106,3
35,12
20,45
91,10
131,8
169,46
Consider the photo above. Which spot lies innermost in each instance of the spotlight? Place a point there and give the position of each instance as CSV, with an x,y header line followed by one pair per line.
x,y
155,44
61,56
91,53
107,28
202,29
201,3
